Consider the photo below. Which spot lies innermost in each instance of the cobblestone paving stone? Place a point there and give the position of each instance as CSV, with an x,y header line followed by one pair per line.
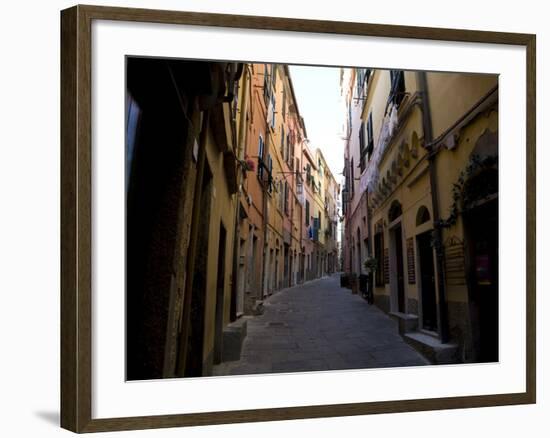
x,y
320,326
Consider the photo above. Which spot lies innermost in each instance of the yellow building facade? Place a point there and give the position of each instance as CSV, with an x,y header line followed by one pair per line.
x,y
182,156
416,144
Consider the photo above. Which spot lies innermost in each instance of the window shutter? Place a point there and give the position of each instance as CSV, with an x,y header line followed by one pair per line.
x,y
260,156
274,105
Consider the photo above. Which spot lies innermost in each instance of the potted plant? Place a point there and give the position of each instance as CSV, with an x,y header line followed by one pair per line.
x,y
370,264
248,164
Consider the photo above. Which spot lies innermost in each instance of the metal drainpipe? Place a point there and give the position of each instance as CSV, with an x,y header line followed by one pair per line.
x,y
236,247
264,206
290,268
236,238
265,221
302,211
192,251
370,286
437,235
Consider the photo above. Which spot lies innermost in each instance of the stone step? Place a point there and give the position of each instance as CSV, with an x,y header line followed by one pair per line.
x,y
233,338
432,348
407,322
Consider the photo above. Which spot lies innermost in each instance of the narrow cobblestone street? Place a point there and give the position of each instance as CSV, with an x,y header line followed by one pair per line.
x,y
320,326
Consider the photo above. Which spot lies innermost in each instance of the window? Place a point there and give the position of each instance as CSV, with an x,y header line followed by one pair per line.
x,y
269,165
307,212
269,92
132,124
273,106
287,148
316,227
397,91
260,157
362,148
366,142
370,137
286,193
346,174
360,81
362,78
422,216
395,211
352,180
283,142
345,191
267,84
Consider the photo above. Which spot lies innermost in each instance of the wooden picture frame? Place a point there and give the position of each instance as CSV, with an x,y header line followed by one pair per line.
x,y
76,218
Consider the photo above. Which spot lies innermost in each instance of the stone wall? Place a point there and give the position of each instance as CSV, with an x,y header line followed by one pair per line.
x,y
460,330
383,302
412,306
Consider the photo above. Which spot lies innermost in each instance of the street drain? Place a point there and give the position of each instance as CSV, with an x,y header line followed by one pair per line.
x,y
276,324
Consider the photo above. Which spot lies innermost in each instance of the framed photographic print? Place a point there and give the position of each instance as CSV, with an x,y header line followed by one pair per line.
x,y
268,218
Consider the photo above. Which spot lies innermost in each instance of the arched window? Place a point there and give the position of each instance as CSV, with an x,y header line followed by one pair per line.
x,y
422,216
480,186
395,211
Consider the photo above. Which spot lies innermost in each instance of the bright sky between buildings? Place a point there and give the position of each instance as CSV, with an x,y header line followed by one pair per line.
x,y
317,91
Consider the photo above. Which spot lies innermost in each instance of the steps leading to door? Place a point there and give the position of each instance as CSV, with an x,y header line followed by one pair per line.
x,y
432,348
407,322
233,338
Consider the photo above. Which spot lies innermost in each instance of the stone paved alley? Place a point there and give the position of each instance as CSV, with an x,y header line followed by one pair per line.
x,y
320,326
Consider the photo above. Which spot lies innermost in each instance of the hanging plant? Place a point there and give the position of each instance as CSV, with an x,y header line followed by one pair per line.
x,y
248,164
463,192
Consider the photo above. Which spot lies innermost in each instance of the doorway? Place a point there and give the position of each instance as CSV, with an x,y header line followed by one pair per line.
x,y
242,277
427,281
195,336
358,245
276,272
156,160
302,267
482,229
291,276
220,289
270,274
400,283
252,276
286,267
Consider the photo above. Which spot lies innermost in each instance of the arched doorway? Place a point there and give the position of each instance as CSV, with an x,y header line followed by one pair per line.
x,y
481,230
